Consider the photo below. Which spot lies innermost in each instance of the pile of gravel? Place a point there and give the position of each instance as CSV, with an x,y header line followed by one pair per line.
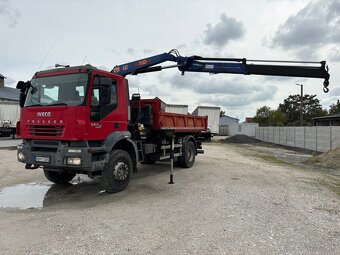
x,y
329,159
241,139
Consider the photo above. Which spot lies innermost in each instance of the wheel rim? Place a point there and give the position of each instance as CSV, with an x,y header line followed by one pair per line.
x,y
190,154
121,171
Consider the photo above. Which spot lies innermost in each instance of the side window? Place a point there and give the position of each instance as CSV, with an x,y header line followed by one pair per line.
x,y
95,97
101,87
114,94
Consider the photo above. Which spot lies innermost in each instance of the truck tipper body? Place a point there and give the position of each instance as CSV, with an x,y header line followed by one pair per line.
x,y
161,120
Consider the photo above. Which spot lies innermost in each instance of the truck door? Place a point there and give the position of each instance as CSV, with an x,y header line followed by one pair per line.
x,y
108,106
103,97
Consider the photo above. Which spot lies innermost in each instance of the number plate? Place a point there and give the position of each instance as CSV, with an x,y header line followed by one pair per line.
x,y
42,159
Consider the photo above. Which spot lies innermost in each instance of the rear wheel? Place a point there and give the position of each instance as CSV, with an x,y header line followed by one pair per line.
x,y
187,159
117,172
62,177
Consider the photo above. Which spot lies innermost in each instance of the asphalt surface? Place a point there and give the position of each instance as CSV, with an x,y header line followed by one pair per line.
x,y
230,202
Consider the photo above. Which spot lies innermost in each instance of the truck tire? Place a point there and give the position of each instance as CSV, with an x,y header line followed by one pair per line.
x,y
59,177
117,172
187,159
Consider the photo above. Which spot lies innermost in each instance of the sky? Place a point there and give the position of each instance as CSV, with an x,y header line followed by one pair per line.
x,y
35,35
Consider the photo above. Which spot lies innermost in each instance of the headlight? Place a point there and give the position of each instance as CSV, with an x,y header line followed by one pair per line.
x,y
74,161
74,150
21,156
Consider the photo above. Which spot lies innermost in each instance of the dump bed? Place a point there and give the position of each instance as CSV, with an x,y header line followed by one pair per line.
x,y
150,111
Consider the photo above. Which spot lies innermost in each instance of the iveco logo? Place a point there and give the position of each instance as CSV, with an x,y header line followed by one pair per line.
x,y
44,114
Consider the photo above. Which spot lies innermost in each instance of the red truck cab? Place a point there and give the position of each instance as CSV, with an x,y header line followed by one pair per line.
x,y
65,105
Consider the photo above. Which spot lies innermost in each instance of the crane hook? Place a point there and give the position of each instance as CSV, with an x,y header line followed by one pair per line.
x,y
325,86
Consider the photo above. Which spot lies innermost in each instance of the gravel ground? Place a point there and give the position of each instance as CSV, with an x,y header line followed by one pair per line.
x,y
228,203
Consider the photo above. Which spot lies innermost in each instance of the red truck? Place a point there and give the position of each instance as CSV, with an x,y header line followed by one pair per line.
x,y
81,120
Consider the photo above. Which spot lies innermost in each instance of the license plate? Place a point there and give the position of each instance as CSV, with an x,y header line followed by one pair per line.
x,y
42,159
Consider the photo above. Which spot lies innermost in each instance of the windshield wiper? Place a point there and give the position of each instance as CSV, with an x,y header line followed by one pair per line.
x,y
56,104
34,105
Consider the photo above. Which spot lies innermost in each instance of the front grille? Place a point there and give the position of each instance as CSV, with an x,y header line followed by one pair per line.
x,y
45,143
45,130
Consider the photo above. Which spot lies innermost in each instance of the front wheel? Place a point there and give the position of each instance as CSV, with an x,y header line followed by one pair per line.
x,y
117,172
62,177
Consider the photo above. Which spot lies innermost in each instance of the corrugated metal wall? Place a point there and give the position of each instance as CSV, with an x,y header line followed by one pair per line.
x,y
9,110
213,114
176,108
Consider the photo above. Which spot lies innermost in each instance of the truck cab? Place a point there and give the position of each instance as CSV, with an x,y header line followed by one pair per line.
x,y
71,118
74,104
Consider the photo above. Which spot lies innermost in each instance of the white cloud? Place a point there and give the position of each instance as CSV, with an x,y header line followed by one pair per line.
x,y
122,32
226,30
8,14
313,27
10,82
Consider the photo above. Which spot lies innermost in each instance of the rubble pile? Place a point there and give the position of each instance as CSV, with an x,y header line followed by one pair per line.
x,y
329,159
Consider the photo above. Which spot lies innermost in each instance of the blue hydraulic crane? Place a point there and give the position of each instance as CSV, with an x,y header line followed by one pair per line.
x,y
227,65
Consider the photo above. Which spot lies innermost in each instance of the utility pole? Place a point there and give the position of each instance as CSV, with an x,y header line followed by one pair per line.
x,y
301,104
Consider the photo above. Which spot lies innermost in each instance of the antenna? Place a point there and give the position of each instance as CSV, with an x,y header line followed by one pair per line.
x,y
48,52
84,60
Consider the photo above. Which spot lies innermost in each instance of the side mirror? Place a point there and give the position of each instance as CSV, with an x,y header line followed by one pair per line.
x,y
22,99
21,85
104,94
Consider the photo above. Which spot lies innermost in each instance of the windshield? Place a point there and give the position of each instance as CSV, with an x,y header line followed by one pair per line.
x,y
66,89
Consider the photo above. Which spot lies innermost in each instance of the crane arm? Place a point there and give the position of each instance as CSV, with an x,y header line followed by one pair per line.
x,y
227,65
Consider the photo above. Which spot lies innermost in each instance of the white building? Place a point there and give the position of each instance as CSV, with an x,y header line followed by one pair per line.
x,y
224,123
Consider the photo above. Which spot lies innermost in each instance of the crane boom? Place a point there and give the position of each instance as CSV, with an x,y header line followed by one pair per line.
x,y
227,65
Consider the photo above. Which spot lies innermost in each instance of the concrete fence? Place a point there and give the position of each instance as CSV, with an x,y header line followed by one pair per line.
x,y
312,138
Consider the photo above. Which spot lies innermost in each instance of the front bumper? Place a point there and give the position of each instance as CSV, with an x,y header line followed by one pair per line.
x,y
55,154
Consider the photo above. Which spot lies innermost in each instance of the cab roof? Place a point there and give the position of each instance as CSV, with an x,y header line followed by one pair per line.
x,y
55,70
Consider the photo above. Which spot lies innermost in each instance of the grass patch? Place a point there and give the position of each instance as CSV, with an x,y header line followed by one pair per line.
x,y
273,160
332,184
325,179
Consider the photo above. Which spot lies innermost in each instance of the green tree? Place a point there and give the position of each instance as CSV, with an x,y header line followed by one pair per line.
x,y
290,108
222,113
334,108
262,116
265,116
276,118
